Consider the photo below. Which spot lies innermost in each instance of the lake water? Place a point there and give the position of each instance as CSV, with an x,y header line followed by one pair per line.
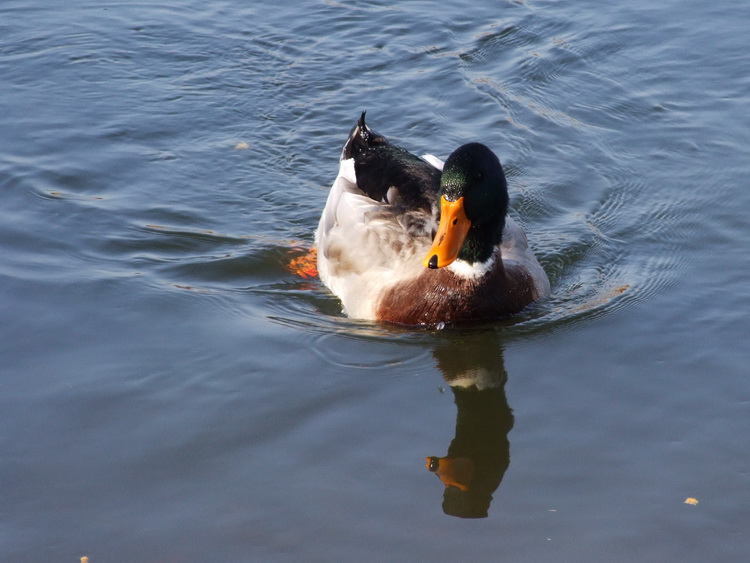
x,y
171,392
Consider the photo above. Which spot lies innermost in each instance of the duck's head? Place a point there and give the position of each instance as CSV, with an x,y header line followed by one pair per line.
x,y
473,205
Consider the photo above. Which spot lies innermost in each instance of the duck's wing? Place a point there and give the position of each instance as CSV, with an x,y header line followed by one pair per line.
x,y
515,251
382,203
357,234
364,247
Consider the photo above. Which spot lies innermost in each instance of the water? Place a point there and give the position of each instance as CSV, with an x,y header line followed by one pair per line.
x,y
170,391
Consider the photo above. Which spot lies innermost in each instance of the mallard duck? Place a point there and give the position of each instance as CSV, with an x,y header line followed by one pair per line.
x,y
415,241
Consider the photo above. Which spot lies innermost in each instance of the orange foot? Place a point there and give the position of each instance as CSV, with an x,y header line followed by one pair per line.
x,y
305,266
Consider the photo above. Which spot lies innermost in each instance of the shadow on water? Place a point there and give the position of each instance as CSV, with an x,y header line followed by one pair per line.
x,y
479,454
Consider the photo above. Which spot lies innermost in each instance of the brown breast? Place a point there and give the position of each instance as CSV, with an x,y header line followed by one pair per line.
x,y
441,296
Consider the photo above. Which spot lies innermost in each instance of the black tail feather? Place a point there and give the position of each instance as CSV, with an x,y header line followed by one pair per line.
x,y
361,138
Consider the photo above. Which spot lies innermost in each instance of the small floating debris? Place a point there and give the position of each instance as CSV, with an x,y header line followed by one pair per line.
x,y
65,195
241,146
691,500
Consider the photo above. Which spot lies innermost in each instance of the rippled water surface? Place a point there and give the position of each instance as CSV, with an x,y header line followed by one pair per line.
x,y
171,391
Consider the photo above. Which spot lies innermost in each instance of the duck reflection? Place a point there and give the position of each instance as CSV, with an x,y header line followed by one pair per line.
x,y
479,455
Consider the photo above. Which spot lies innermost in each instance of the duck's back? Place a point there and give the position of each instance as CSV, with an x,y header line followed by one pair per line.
x,y
389,174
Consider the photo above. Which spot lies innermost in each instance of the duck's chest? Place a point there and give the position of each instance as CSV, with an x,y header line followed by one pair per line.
x,y
441,296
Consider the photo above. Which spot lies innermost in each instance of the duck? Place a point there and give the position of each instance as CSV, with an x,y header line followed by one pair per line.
x,y
415,241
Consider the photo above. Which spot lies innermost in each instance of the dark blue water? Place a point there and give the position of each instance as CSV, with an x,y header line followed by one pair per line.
x,y
170,391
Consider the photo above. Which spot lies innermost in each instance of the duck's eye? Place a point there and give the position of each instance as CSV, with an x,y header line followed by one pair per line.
x,y
478,176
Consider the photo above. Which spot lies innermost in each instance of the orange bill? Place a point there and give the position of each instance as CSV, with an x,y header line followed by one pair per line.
x,y
451,234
